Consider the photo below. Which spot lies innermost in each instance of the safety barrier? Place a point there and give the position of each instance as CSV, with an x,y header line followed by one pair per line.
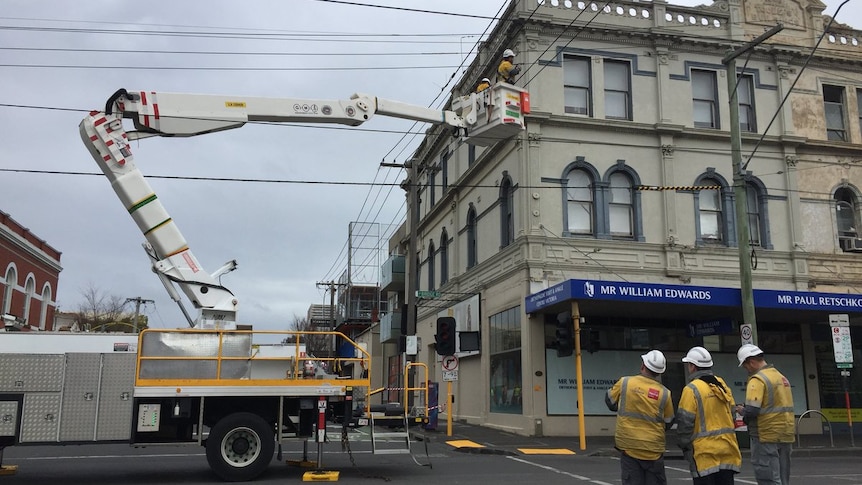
x,y
823,418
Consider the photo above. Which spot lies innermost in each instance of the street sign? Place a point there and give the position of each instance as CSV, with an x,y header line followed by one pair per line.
x,y
450,375
427,294
841,343
450,362
745,334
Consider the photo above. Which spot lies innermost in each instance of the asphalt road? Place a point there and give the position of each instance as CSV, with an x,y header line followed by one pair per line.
x,y
170,465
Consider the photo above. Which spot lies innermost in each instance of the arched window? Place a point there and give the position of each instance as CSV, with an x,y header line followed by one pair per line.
x,y
847,218
621,205
444,258
8,291
472,256
507,209
753,211
29,291
580,202
757,211
710,214
713,211
431,265
43,310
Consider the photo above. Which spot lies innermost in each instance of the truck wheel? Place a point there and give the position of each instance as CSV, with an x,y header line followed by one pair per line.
x,y
240,447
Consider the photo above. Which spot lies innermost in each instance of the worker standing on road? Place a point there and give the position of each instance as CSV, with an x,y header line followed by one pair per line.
x,y
768,412
484,84
704,422
507,70
644,411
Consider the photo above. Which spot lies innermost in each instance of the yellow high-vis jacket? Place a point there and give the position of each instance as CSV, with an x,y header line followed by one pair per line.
x,y
644,409
769,407
705,428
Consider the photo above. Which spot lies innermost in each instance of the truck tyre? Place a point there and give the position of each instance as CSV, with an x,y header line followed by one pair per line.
x,y
240,447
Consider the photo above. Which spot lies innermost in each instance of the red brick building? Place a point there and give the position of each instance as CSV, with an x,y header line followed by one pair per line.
x,y
29,270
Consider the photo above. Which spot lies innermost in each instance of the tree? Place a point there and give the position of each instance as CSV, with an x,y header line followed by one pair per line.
x,y
104,312
319,345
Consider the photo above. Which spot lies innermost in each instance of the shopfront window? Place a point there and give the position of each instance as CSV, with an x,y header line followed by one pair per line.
x,y
506,388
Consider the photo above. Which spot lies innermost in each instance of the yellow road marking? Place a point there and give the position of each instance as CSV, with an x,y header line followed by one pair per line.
x,y
546,451
464,444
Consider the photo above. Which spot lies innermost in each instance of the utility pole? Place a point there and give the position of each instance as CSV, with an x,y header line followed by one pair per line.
x,y
332,289
138,301
743,236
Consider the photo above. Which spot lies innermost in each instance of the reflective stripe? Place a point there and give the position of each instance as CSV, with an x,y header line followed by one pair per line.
x,y
622,410
662,404
623,387
700,414
770,410
702,432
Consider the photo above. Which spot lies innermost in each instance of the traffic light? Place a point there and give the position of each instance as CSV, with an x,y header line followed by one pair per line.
x,y
565,340
591,341
445,336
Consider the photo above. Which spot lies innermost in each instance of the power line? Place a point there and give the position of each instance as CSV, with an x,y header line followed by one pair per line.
x,y
115,67
222,53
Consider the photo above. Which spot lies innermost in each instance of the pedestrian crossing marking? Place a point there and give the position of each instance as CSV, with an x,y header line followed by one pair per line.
x,y
546,451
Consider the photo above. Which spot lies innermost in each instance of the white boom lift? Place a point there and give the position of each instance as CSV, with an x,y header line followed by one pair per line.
x,y
480,119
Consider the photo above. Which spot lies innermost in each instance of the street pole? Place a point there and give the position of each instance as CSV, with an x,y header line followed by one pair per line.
x,y
138,301
743,237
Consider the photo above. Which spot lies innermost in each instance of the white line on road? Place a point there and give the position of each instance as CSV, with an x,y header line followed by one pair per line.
x,y
557,470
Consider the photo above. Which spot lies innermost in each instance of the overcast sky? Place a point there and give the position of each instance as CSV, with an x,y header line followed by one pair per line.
x,y
286,236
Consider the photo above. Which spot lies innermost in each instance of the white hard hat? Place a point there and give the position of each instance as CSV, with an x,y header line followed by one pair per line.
x,y
486,80
746,351
654,360
508,53
698,356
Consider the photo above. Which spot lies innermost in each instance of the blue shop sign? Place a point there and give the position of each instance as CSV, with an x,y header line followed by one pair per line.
x,y
721,326
689,295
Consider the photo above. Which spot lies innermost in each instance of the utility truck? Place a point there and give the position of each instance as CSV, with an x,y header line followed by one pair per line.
x,y
210,384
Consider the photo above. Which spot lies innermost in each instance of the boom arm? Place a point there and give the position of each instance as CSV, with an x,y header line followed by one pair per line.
x,y
481,119
172,114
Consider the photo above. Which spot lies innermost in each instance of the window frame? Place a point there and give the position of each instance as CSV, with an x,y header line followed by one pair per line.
x,y
590,203
859,108
746,81
444,257
444,170
833,133
507,212
846,197
432,183
726,227
431,262
472,238
712,101
585,90
630,204
627,93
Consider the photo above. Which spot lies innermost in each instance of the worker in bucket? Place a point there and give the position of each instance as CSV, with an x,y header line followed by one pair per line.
x,y
507,70
484,84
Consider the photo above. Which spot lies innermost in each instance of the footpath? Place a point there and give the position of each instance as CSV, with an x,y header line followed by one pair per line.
x,y
470,438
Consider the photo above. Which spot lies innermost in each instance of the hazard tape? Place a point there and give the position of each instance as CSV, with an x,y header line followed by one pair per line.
x,y
677,187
